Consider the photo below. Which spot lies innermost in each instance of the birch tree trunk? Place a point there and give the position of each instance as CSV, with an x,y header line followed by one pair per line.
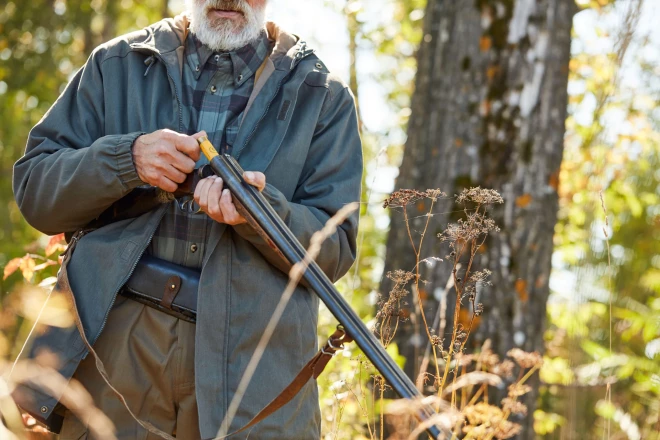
x,y
489,110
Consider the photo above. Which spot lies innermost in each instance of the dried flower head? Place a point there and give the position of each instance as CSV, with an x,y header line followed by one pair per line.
x,y
480,276
525,359
504,369
513,406
488,421
400,276
518,389
480,196
488,358
404,197
473,227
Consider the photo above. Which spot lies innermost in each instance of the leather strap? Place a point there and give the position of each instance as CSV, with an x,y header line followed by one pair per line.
x,y
313,368
172,287
64,286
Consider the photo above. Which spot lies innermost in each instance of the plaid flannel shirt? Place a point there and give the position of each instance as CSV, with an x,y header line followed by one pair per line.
x,y
216,89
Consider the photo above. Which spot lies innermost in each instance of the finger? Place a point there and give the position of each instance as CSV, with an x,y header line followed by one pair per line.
x,y
228,209
187,145
215,191
175,175
198,190
183,163
255,178
202,193
166,184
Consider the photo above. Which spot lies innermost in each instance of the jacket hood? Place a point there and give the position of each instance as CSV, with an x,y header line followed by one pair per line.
x,y
168,35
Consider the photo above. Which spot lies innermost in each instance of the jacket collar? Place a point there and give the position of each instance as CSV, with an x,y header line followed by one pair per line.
x,y
168,36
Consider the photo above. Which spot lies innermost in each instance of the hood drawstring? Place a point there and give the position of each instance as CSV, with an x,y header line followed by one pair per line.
x,y
150,61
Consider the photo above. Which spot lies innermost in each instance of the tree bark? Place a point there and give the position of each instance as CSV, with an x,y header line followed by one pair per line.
x,y
488,110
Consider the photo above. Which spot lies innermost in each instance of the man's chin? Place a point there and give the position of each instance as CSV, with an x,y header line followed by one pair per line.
x,y
222,23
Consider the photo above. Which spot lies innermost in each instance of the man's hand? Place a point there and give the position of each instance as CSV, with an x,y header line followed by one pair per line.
x,y
216,201
164,157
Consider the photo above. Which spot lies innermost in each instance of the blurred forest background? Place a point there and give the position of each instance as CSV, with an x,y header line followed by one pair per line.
x,y
482,115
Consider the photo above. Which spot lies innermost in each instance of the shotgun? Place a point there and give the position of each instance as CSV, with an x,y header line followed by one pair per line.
x,y
260,215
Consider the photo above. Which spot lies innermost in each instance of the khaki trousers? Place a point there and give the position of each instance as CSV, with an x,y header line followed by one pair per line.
x,y
149,357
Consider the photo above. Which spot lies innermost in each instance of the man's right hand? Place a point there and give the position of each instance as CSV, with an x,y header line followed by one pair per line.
x,y
164,157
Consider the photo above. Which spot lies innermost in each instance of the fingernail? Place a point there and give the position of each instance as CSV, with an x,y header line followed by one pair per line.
x,y
249,175
225,192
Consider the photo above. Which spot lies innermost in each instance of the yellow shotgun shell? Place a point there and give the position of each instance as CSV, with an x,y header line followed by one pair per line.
x,y
207,148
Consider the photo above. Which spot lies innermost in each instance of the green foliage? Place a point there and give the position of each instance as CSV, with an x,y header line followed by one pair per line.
x,y
608,251
42,44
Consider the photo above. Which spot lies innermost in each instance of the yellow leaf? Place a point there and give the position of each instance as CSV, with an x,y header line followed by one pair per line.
x,y
12,266
524,200
27,267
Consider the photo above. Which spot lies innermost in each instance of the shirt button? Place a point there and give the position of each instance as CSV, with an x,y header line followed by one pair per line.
x,y
44,409
217,57
240,77
214,89
193,248
197,68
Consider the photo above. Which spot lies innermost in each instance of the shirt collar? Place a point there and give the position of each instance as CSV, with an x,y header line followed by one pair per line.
x,y
245,60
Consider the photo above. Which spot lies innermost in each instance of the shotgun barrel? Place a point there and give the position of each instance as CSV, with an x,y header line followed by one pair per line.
x,y
262,216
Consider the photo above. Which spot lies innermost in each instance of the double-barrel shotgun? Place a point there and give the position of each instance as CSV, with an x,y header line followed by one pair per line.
x,y
256,209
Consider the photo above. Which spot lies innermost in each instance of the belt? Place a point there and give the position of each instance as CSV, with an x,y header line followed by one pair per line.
x,y
165,286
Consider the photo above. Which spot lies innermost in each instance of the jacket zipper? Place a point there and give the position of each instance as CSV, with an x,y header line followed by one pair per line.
x,y
114,298
176,94
178,100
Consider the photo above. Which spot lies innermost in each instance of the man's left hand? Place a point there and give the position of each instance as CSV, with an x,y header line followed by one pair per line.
x,y
216,201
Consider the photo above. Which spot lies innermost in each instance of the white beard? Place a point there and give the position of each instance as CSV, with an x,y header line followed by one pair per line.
x,y
226,34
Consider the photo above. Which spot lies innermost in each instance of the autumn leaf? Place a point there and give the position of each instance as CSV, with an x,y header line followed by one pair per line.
x,y
27,267
521,289
56,243
12,266
523,200
485,43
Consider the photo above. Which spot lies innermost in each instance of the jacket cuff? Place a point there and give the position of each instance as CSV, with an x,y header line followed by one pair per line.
x,y
125,165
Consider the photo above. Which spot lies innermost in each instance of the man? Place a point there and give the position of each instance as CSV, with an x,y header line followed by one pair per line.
x,y
129,120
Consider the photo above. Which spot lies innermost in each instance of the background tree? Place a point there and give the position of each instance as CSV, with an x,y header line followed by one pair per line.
x,y
488,110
